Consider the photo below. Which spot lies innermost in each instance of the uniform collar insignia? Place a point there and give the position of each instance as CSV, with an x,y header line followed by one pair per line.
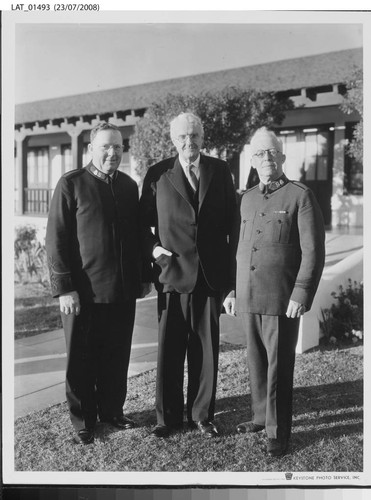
x,y
101,175
274,185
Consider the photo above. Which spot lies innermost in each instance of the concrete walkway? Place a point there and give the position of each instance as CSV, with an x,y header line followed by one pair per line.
x,y
40,360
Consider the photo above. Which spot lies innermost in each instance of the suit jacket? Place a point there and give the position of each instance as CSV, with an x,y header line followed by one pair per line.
x,y
281,249
93,237
196,229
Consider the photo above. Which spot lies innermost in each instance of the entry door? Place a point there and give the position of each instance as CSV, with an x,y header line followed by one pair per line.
x,y
309,159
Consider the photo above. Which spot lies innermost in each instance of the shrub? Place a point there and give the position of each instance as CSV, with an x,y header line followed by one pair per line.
x,y
343,321
30,256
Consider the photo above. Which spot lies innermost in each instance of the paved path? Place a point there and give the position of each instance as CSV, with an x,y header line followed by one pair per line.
x,y
40,360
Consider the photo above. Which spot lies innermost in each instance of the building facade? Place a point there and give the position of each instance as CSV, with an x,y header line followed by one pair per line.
x,y
51,136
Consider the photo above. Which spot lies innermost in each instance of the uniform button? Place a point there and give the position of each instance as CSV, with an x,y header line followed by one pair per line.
x,y
252,268
254,249
279,221
262,214
244,221
258,231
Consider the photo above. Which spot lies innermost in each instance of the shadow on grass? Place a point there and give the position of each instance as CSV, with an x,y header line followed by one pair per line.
x,y
331,400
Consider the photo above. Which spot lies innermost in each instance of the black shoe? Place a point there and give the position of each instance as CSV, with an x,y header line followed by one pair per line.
x,y
161,431
207,428
276,447
249,427
84,436
120,422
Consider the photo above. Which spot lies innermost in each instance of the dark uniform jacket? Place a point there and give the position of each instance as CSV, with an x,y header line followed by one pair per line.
x,y
281,248
93,239
195,228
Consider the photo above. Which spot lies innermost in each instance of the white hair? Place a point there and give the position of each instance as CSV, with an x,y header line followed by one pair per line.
x,y
190,117
266,131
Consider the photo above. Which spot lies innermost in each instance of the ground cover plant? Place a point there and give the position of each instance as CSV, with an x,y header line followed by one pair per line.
x,y
327,425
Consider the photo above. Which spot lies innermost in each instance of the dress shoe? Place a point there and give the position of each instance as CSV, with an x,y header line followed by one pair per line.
x,y
164,431
249,427
161,431
120,422
84,436
207,428
276,447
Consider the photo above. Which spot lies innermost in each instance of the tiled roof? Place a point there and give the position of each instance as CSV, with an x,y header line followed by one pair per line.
x,y
290,74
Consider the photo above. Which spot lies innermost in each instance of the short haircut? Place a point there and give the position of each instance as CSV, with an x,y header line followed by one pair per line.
x,y
102,126
265,131
190,117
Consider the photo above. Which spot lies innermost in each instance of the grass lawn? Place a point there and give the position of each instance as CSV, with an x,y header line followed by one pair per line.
x,y
327,426
35,310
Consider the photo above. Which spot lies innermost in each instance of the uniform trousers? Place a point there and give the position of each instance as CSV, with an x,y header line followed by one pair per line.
x,y
188,324
271,343
98,343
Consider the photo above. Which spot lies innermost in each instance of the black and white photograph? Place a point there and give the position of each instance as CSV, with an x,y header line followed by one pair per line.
x,y
183,248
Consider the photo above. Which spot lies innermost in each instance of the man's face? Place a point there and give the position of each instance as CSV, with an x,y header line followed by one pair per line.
x,y
106,150
187,137
267,157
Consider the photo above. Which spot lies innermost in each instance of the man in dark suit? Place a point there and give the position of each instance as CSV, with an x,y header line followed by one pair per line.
x,y
280,259
190,202
94,248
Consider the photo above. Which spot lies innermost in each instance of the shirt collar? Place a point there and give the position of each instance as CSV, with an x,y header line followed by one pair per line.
x,y
274,185
184,164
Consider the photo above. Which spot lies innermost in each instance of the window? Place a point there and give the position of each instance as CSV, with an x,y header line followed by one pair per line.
x,y
353,169
307,154
66,152
38,168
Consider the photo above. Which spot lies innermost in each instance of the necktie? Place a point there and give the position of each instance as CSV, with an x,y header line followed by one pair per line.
x,y
193,178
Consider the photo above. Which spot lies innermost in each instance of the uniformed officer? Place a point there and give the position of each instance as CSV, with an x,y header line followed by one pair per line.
x,y
280,258
93,242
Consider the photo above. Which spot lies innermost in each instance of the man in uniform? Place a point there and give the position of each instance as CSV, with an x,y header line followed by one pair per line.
x,y
190,201
93,243
280,259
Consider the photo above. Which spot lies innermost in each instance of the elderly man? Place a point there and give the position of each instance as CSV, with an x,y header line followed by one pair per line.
x,y
93,243
190,202
280,259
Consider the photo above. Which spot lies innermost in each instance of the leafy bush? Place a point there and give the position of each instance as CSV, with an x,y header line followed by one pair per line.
x,y
229,117
30,256
343,321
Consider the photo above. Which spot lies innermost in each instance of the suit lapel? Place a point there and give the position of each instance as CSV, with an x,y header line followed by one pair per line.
x,y
177,178
206,174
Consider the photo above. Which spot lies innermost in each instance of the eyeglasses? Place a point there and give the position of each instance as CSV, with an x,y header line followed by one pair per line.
x,y
272,152
115,147
183,138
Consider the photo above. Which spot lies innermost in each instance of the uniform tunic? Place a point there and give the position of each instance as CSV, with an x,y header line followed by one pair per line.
x,y
93,236
281,251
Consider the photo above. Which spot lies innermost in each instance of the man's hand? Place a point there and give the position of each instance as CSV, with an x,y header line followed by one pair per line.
x,y
160,251
230,304
295,310
145,289
69,303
